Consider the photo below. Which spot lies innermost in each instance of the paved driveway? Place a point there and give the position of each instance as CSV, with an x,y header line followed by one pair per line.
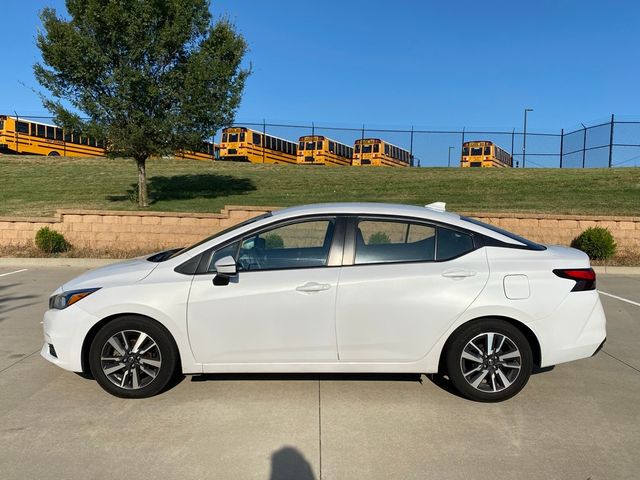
x,y
580,420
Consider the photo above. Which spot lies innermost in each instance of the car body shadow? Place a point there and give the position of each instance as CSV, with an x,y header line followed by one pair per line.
x,y
346,377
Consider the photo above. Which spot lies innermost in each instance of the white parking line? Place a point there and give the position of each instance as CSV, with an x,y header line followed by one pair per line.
x,y
11,273
620,298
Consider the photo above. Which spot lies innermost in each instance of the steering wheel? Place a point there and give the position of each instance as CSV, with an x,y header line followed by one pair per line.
x,y
249,260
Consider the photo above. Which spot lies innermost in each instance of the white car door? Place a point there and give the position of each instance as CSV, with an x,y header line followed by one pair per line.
x,y
280,306
409,281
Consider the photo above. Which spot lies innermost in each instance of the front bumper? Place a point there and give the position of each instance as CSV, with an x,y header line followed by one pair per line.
x,y
66,330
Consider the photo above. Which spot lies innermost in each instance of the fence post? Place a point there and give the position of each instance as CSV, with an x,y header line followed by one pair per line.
x,y
17,134
561,145
513,134
411,148
611,142
462,136
264,134
584,147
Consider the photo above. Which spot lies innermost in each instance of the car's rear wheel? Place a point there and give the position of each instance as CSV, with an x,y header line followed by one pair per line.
x,y
489,360
133,357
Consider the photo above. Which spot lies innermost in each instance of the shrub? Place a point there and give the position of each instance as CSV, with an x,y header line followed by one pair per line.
x,y
597,242
379,238
50,241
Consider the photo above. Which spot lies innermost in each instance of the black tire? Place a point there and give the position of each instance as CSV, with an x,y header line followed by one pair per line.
x,y
492,387
53,153
126,330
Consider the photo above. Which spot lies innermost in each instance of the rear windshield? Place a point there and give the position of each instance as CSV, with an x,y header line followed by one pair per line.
x,y
215,235
530,244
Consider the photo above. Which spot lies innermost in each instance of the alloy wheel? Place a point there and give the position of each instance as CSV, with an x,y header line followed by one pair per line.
x,y
490,362
130,359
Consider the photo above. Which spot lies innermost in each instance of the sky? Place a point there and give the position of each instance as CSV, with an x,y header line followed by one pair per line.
x,y
397,64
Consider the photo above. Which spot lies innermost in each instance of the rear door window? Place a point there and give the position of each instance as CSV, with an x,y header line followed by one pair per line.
x,y
391,241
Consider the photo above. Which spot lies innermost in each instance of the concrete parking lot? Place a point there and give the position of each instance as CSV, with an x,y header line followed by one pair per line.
x,y
578,421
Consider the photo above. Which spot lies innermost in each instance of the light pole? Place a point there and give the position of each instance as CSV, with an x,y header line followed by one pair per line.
x,y
449,159
524,139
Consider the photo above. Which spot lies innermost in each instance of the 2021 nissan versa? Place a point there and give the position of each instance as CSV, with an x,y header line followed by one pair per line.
x,y
333,288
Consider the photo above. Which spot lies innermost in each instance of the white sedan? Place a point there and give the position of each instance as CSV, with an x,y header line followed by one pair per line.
x,y
333,288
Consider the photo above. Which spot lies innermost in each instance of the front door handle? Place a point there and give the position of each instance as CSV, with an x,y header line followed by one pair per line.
x,y
458,273
311,287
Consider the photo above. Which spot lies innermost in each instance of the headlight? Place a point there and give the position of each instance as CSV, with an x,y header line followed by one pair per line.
x,y
65,299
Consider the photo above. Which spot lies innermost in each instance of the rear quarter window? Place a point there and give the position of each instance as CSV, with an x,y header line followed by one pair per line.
x,y
528,244
451,244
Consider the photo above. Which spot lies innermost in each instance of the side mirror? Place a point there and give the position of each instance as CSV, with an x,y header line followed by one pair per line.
x,y
226,267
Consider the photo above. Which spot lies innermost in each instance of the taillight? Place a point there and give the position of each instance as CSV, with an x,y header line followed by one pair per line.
x,y
585,278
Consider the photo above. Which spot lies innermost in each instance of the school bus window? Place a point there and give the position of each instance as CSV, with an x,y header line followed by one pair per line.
x,y
233,137
476,150
319,146
22,127
465,151
242,137
487,150
332,147
59,134
376,148
224,137
366,149
50,133
256,139
357,148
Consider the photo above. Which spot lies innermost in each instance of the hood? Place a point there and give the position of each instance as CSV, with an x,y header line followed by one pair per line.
x,y
121,273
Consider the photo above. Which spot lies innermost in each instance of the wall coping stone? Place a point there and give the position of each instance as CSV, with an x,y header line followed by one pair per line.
x,y
224,213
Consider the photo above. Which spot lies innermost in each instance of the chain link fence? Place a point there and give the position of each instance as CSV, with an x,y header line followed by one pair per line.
x,y
615,143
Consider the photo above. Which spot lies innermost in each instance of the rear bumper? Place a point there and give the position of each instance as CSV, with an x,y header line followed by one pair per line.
x,y
600,347
577,329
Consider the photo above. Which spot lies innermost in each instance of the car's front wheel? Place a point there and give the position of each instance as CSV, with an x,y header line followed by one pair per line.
x,y
133,357
489,360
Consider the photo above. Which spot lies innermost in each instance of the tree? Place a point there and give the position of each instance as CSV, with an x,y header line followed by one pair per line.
x,y
149,76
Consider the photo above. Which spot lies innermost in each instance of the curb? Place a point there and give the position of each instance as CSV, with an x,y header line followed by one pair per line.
x,y
58,262
617,270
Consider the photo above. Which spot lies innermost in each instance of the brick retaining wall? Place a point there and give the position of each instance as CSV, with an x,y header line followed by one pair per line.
x,y
122,230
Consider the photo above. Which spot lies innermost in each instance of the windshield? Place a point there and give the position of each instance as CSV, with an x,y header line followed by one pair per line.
x,y
215,235
530,244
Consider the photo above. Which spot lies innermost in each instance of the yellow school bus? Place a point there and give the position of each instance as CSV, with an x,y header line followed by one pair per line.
x,y
378,153
36,138
484,154
320,150
208,151
242,144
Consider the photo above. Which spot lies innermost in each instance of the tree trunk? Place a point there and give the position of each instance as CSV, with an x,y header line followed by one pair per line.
x,y
143,199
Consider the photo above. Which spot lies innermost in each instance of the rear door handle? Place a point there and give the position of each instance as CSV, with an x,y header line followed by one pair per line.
x,y
458,273
311,287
